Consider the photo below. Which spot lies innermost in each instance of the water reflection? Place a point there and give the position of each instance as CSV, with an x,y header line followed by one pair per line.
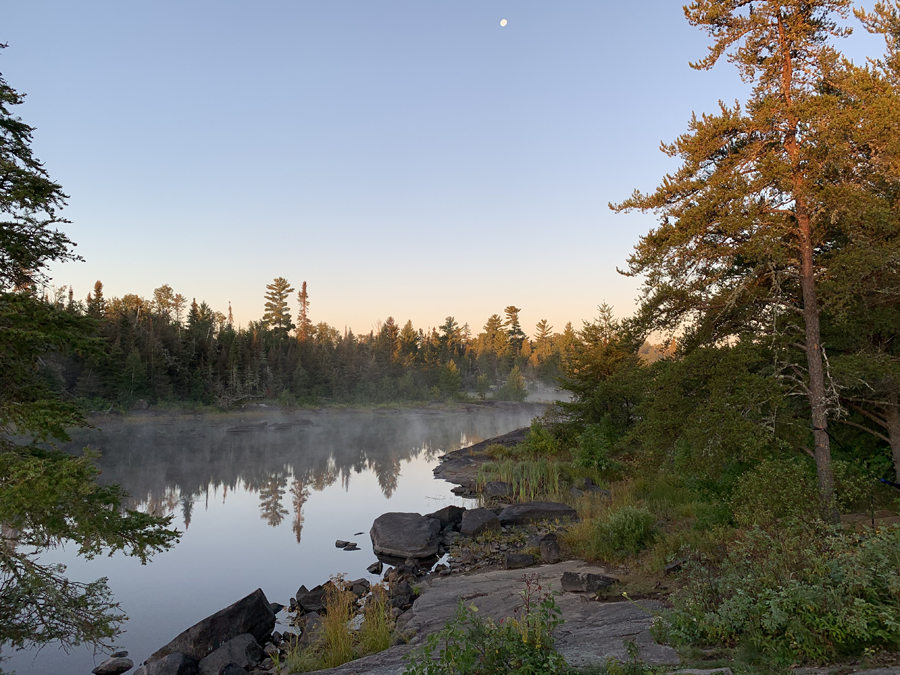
x,y
168,465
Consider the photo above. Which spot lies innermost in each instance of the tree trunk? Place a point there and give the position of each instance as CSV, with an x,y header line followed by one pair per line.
x,y
892,416
816,368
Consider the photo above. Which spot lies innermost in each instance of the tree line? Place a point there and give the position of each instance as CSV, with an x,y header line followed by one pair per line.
x,y
165,349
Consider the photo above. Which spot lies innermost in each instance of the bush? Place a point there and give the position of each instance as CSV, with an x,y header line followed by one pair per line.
x,y
800,591
540,441
470,644
776,489
514,388
592,449
629,528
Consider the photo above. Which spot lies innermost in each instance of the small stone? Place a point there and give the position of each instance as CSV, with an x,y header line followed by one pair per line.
x,y
119,655
351,547
340,543
396,612
550,551
573,582
276,607
575,492
114,666
375,568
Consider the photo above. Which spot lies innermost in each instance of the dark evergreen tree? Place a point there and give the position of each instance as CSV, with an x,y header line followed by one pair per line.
x,y
277,316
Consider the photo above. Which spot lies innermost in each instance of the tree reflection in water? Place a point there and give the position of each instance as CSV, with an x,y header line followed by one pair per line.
x,y
168,463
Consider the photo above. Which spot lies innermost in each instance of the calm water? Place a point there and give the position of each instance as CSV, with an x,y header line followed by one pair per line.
x,y
260,509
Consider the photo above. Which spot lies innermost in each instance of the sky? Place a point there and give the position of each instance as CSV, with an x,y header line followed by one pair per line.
x,y
412,159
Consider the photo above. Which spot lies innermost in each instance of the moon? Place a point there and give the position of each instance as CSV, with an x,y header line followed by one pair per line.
x,y
502,22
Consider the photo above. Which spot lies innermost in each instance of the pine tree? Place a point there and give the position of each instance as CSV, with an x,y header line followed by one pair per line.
x,y
277,316
304,325
96,304
514,332
741,224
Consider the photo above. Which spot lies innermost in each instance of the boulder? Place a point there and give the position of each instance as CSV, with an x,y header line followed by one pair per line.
x,y
449,515
359,587
550,551
536,540
243,651
517,514
406,535
173,664
477,521
340,543
375,568
497,488
585,583
251,614
311,601
516,561
312,630
232,669
114,666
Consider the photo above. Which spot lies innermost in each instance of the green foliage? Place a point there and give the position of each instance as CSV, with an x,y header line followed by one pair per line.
x,y
482,386
798,591
776,489
592,449
539,441
470,644
629,529
514,388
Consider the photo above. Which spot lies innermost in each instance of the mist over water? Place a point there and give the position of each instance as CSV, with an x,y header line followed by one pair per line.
x,y
259,508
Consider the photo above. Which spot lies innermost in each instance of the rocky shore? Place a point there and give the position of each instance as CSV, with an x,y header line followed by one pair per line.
x,y
427,563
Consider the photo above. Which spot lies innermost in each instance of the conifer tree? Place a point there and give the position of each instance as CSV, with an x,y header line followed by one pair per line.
x,y
514,331
48,497
277,316
741,227
304,325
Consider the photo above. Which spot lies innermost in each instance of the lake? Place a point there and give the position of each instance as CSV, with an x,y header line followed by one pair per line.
x,y
259,508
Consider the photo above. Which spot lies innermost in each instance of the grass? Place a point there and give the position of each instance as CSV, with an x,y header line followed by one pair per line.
x,y
336,644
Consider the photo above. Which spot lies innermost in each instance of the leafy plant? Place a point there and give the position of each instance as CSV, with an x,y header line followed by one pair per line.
x,y
473,645
629,528
798,591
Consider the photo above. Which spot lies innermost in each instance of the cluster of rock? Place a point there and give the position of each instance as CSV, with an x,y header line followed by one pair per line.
x,y
233,641
402,536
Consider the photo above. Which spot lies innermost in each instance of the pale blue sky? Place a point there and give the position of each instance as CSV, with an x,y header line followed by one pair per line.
x,y
407,158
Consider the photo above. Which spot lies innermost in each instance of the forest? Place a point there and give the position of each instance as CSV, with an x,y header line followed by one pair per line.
x,y
166,351
770,411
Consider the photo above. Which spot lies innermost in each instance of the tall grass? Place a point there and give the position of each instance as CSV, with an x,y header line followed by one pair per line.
x,y
337,643
529,478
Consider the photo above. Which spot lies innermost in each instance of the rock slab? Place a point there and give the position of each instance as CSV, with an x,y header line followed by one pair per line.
x,y
519,514
406,535
251,614
478,521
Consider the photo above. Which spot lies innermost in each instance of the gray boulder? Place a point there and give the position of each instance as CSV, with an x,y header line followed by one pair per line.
x,y
251,614
550,551
312,629
449,515
477,521
311,601
585,583
518,514
114,666
406,535
242,650
232,669
497,488
173,664
516,561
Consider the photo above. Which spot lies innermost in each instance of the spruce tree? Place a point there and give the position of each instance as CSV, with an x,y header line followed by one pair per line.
x,y
48,497
277,316
304,325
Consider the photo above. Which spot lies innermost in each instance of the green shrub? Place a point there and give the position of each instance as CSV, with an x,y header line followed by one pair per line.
x,y
592,451
473,645
629,528
529,478
776,489
799,591
540,441
514,389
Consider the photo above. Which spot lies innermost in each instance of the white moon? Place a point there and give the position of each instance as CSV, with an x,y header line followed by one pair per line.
x,y
502,22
